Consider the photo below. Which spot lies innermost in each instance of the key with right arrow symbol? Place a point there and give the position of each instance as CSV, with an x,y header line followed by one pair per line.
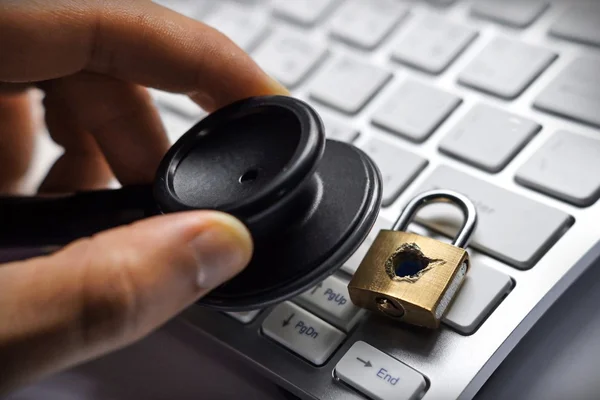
x,y
378,375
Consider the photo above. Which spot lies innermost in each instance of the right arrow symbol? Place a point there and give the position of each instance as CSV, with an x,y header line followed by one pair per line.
x,y
367,363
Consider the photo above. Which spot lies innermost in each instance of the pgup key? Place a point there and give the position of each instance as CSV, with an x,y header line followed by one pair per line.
x,y
330,301
413,278
337,298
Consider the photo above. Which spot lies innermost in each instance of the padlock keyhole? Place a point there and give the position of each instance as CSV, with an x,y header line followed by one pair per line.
x,y
388,307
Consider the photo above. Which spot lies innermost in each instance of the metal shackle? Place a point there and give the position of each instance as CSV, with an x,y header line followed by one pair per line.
x,y
442,196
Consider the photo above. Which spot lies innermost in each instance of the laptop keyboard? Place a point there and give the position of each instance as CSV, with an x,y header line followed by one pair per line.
x,y
398,167
488,137
304,12
555,168
365,24
513,228
290,56
574,93
415,109
497,99
505,67
432,43
347,84
579,23
516,13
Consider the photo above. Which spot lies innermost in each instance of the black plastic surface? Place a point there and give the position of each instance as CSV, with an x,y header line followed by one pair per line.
x,y
35,222
347,205
278,139
236,167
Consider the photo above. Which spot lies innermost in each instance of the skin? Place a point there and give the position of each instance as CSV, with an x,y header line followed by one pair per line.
x,y
92,61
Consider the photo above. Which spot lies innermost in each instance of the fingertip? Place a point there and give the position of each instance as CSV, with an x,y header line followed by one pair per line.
x,y
218,245
264,85
188,224
222,249
236,228
277,88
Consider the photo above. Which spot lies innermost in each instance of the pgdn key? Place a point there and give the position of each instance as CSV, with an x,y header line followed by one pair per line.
x,y
306,330
301,332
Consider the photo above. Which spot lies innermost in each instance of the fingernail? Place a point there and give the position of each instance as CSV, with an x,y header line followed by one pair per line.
x,y
222,251
276,87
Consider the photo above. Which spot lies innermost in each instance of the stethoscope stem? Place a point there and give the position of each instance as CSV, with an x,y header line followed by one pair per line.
x,y
41,221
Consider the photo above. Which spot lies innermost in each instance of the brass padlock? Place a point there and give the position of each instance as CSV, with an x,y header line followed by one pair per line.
x,y
413,278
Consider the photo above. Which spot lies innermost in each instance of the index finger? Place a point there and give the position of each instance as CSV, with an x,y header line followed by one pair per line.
x,y
136,41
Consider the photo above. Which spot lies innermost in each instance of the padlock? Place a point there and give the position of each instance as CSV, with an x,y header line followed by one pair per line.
x,y
410,277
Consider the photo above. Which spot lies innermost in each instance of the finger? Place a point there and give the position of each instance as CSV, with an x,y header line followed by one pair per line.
x,y
103,293
82,165
17,129
114,120
136,41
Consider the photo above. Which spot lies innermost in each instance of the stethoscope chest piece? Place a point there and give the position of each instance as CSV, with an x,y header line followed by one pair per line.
x,y
308,202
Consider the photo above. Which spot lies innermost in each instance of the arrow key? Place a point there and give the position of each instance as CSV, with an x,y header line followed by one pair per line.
x,y
330,300
302,332
379,376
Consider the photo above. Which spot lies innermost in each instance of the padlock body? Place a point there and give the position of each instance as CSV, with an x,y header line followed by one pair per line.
x,y
416,276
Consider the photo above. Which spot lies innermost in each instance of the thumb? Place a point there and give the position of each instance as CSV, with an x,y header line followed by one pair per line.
x,y
102,293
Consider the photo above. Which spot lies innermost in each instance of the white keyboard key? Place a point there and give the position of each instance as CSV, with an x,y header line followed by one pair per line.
x,y
348,84
516,13
244,317
338,130
379,376
565,167
581,23
415,110
432,44
513,228
481,292
488,137
366,23
303,333
304,12
398,167
179,104
175,125
244,25
330,300
506,67
289,57
441,3
196,9
575,92
354,261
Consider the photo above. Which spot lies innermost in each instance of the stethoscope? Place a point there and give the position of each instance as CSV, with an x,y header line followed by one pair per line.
x,y
308,201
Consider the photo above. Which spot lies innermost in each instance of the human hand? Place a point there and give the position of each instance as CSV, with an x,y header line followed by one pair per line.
x,y
93,60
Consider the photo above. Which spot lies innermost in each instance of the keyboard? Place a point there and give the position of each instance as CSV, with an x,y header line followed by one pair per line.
x,y
496,99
